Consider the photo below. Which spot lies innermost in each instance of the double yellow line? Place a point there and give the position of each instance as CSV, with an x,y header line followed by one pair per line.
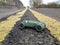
x,y
7,25
52,24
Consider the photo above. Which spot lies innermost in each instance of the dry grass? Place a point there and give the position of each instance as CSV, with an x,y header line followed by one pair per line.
x,y
52,24
7,25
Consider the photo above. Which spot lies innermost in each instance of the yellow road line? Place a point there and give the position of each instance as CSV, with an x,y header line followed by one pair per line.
x,y
52,24
7,25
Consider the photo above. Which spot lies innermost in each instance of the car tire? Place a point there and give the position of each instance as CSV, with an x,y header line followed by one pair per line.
x,y
21,26
38,28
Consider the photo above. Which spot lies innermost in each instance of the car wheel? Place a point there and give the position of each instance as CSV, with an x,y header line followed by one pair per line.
x,y
21,26
38,28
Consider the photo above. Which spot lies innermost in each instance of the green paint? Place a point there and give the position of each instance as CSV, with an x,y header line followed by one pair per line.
x,y
29,23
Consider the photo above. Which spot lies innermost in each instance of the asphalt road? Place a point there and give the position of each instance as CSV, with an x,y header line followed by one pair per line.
x,y
29,36
51,12
4,12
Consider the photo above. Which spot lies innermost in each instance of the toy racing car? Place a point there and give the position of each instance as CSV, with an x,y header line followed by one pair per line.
x,y
39,26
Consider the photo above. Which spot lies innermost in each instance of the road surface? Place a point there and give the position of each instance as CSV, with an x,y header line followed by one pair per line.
x,y
5,12
50,12
29,36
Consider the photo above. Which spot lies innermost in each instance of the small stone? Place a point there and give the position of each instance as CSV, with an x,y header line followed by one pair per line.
x,y
39,42
32,35
21,41
40,36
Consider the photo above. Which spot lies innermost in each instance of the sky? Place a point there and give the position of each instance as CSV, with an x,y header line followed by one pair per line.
x,y
49,1
26,2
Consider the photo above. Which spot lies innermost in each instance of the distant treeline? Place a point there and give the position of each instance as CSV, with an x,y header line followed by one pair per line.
x,y
50,5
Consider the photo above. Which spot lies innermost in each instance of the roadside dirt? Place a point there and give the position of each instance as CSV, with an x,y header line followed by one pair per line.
x,y
29,36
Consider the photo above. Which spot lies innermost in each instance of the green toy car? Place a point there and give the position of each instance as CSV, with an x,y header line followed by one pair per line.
x,y
35,24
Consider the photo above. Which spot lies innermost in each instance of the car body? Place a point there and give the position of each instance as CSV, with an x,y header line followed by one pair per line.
x,y
35,24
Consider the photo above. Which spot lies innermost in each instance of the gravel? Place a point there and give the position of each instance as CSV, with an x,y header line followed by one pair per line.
x,y
29,36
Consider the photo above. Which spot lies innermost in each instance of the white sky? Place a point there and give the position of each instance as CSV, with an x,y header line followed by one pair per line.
x,y
26,2
48,1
